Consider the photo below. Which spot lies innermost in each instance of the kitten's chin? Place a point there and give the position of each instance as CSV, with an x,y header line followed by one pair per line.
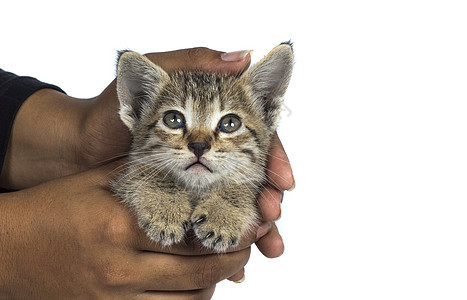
x,y
197,178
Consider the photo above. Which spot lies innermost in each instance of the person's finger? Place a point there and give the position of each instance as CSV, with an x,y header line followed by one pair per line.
x,y
201,59
187,272
238,277
190,246
279,171
269,203
271,245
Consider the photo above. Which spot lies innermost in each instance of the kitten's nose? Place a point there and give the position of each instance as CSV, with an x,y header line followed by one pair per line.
x,y
198,148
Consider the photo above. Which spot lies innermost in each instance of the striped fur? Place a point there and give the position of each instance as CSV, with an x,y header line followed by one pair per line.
x,y
163,183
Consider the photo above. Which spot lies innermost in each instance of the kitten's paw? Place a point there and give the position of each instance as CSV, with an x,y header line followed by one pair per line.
x,y
166,225
165,232
217,231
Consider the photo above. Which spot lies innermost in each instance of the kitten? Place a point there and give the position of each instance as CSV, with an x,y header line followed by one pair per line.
x,y
200,146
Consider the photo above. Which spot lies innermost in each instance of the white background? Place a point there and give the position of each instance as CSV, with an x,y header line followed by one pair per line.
x,y
377,130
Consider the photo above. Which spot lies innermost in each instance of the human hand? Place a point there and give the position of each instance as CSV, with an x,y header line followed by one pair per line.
x,y
280,179
69,238
92,132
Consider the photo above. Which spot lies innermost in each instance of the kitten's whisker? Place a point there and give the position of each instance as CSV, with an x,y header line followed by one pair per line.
x,y
140,161
130,162
245,172
278,158
143,181
167,173
153,172
113,158
121,155
270,181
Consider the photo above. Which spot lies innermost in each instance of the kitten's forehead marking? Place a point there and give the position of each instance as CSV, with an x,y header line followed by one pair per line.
x,y
202,113
188,112
216,113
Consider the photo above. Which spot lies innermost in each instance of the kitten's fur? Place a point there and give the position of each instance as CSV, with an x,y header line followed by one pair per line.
x,y
217,198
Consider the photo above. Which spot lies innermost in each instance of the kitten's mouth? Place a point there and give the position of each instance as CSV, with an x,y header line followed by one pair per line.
x,y
197,165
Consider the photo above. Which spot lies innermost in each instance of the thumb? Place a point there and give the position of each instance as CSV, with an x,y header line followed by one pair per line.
x,y
202,59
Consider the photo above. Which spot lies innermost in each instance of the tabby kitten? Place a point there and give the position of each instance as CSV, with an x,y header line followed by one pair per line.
x,y
200,146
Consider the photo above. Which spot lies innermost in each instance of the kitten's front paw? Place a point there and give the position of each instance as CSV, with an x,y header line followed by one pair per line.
x,y
166,226
214,235
166,232
219,229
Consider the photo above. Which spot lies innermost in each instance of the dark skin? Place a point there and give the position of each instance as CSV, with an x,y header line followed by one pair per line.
x,y
64,235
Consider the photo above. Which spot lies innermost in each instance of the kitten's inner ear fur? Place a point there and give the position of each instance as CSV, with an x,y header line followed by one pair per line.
x,y
138,82
268,80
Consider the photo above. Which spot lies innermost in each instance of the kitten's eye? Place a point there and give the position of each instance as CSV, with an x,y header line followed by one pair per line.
x,y
230,123
174,119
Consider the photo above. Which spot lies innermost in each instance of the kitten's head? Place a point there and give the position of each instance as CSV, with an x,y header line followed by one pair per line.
x,y
203,129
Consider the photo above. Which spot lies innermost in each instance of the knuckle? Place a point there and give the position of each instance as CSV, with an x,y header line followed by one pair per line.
x,y
198,53
117,230
111,228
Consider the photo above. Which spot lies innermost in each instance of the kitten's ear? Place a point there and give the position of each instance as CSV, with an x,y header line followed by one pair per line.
x,y
138,83
268,80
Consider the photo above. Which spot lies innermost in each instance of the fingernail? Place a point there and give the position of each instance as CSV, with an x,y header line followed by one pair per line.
x,y
278,218
241,279
293,186
283,250
263,229
236,55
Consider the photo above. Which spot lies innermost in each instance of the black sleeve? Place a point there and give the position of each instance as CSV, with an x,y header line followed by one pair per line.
x,y
14,90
